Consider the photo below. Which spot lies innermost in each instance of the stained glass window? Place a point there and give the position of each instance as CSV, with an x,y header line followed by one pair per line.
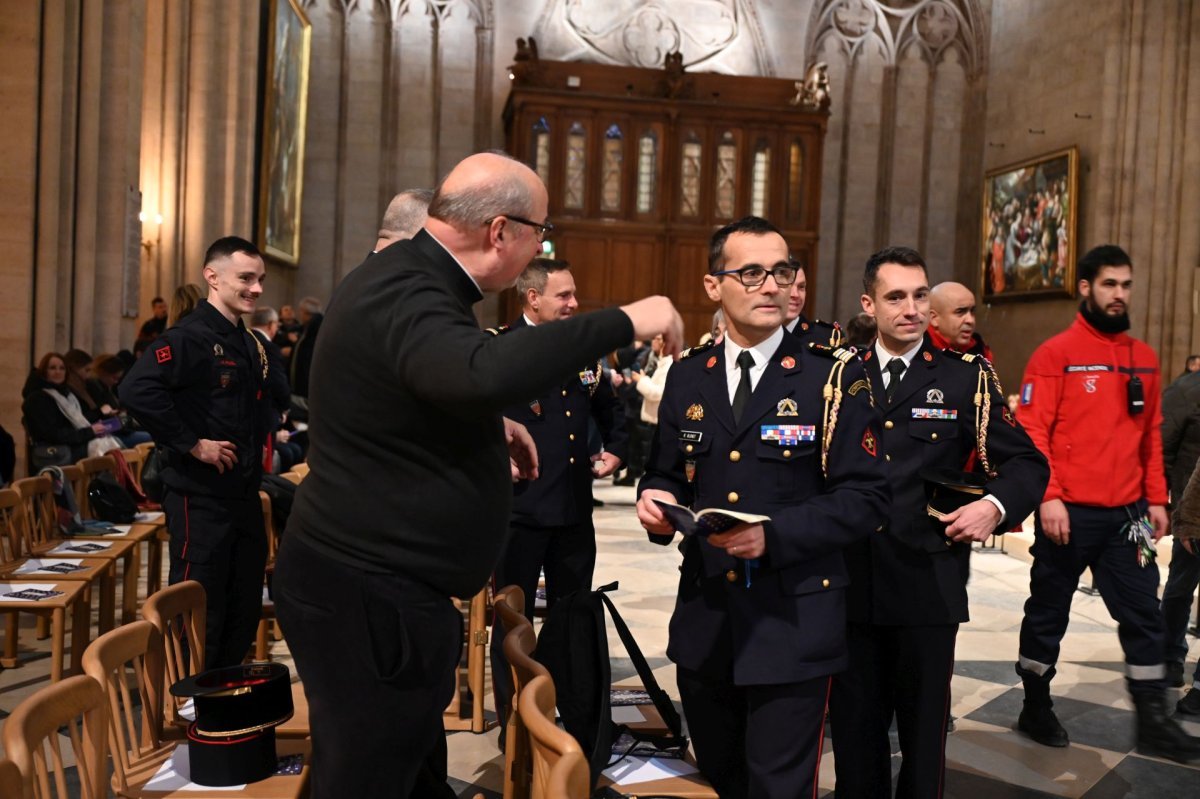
x,y
610,179
760,181
795,178
726,175
576,166
541,149
689,173
647,168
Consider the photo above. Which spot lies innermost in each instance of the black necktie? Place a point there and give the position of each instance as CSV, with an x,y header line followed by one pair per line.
x,y
895,368
742,395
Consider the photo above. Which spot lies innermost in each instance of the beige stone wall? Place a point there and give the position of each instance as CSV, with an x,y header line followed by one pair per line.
x,y
1109,78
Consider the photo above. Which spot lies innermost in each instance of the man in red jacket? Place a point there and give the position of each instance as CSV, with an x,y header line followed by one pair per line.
x,y
952,320
1090,401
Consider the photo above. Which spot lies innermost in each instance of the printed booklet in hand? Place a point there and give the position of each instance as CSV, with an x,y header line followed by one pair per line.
x,y
704,522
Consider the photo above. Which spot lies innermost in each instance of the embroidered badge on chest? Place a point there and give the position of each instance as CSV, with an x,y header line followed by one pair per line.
x,y
935,396
689,471
868,443
694,413
226,379
935,413
588,378
536,407
792,434
787,407
218,351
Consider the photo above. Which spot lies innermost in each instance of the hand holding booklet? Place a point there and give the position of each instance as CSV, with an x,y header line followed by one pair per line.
x,y
707,521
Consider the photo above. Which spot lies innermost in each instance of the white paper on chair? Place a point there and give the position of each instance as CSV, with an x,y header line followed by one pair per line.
x,y
175,775
147,516
119,529
627,714
188,710
79,547
50,566
635,770
6,588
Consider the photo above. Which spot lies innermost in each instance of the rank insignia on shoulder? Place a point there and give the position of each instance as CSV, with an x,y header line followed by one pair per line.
x,y
842,354
695,412
498,330
163,354
691,351
218,350
965,357
787,407
935,396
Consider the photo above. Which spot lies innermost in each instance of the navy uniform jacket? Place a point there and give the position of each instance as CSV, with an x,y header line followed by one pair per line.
x,y
828,334
558,422
789,624
203,378
911,574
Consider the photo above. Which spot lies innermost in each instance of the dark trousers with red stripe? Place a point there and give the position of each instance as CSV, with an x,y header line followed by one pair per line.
x,y
220,543
761,741
903,672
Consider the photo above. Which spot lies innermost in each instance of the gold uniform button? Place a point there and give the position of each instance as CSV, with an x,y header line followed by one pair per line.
x,y
731,576
879,529
887,457
735,456
568,413
564,392
825,583
933,436
571,436
949,543
570,460
787,453
689,448
733,497
889,424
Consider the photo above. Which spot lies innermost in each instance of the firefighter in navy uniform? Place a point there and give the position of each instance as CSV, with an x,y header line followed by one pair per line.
x,y
200,391
827,334
551,526
761,424
908,581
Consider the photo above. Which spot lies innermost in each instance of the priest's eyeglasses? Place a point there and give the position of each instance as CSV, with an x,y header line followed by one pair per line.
x,y
542,229
754,276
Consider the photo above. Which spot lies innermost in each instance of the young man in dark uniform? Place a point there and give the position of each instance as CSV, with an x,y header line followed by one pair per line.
x,y
200,390
825,333
908,581
551,524
761,424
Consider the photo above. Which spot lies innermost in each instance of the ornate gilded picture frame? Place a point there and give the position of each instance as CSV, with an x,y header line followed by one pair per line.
x,y
284,119
1027,247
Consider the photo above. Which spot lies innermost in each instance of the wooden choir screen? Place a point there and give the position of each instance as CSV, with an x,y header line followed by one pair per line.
x,y
642,165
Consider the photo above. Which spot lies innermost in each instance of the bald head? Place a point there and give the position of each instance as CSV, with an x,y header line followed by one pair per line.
x,y
952,313
474,214
405,215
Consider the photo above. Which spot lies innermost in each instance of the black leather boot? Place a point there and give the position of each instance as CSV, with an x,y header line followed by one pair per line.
x,y
1161,736
1038,721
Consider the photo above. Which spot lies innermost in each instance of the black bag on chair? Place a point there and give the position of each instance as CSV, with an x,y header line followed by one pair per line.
x,y
152,485
110,502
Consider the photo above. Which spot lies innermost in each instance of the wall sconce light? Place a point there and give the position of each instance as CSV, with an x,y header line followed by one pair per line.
x,y
148,242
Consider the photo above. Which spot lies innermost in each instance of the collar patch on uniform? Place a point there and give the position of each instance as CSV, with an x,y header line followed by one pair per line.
x,y
218,350
927,356
787,407
695,412
712,361
691,435
788,362
934,413
163,354
784,434
869,443
1026,393
935,396
536,407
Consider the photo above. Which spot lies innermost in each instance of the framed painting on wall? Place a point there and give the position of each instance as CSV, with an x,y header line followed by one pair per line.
x,y
1027,249
285,115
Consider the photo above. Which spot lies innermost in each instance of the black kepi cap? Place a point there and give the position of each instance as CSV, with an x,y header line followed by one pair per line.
x,y
948,490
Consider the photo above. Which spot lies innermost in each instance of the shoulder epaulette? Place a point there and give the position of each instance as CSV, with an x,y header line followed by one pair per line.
x,y
692,351
965,357
843,354
499,330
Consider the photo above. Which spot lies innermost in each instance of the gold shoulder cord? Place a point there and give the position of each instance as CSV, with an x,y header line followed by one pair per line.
x,y
262,357
983,412
832,394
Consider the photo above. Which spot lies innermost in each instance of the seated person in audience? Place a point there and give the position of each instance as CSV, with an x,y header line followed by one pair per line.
x,y
53,416
96,409
102,388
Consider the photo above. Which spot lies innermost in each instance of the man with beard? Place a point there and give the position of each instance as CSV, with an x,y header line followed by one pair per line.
x,y
794,322
952,320
1090,401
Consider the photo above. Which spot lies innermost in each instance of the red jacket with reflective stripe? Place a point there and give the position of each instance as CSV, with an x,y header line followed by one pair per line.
x,y
1075,407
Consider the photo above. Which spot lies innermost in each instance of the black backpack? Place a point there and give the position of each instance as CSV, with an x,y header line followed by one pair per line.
x,y
573,646
110,502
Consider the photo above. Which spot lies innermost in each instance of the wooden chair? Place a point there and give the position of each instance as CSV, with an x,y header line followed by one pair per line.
x,y
548,743
12,784
463,715
519,644
570,777
33,743
138,531
43,538
301,469
293,477
136,458
267,626
178,613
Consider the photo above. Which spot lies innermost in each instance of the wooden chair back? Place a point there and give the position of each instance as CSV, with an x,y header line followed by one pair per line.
x,y
78,483
33,743
570,778
178,612
518,646
136,459
548,743
128,663
14,785
12,529
509,605
293,477
269,526
41,512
